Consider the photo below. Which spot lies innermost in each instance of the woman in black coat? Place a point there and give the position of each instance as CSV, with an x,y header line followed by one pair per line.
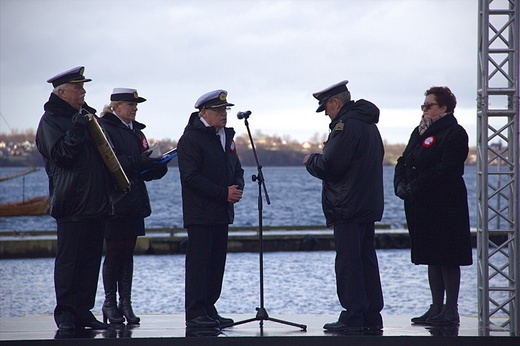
x,y
128,210
429,178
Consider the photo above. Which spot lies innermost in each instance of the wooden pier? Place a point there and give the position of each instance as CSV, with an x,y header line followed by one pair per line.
x,y
38,244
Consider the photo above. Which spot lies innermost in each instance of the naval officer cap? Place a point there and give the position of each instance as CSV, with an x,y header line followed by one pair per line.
x,y
126,94
324,95
213,99
74,75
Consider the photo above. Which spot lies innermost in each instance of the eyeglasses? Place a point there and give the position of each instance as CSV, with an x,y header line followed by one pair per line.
x,y
219,109
427,106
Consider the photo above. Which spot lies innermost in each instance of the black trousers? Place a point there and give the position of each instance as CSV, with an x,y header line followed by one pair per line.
x,y
205,263
76,269
357,274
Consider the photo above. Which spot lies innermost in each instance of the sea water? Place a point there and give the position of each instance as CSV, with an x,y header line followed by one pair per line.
x,y
294,282
294,196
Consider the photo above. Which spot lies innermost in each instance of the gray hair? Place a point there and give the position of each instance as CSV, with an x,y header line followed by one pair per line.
x,y
343,97
57,89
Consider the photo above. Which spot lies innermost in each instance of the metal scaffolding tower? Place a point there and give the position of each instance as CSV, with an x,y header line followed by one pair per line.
x,y
498,207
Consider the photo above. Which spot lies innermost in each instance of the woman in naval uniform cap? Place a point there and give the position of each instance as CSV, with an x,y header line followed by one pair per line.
x,y
129,209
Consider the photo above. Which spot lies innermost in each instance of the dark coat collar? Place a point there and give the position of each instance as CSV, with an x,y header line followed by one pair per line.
x,y
446,121
195,124
57,106
115,121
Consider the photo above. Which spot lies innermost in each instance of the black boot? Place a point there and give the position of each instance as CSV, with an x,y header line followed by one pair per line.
x,y
109,308
126,272
434,310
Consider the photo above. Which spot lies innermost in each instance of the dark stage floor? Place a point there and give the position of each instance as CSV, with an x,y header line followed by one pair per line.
x,y
170,330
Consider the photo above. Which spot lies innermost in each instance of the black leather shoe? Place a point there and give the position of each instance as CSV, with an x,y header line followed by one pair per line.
x,y
224,322
94,324
66,325
202,322
340,326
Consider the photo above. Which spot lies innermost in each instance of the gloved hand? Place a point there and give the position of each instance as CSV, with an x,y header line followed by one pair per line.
x,y
409,191
146,162
80,120
400,190
148,175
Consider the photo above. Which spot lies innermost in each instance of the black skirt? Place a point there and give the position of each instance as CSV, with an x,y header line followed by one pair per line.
x,y
124,227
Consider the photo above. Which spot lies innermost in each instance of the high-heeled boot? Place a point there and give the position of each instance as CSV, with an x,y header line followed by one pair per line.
x,y
126,272
110,310
434,310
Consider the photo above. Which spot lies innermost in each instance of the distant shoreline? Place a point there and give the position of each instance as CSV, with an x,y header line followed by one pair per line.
x,y
20,164
272,151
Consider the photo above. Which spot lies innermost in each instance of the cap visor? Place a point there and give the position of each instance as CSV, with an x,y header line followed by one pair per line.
x,y
80,81
227,104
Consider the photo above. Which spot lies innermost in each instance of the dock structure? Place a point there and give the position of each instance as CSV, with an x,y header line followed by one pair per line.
x,y
41,244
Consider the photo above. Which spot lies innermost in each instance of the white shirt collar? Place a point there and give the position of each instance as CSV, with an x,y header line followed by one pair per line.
x,y
130,126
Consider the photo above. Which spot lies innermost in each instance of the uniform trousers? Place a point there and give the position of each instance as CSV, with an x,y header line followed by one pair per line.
x,y
205,263
357,275
76,269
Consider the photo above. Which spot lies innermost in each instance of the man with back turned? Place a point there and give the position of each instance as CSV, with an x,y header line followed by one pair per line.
x,y
351,168
78,187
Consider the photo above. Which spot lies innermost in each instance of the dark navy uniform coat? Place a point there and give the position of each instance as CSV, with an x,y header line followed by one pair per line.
x,y
128,210
206,172
78,179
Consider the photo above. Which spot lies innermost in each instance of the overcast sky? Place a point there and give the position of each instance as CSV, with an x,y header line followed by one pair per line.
x,y
269,55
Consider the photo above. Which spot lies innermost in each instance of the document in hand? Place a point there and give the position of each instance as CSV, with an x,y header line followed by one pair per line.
x,y
169,155
164,158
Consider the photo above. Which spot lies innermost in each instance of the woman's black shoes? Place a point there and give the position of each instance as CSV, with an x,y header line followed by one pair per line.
x,y
433,311
439,316
125,291
109,309
125,307
111,313
448,316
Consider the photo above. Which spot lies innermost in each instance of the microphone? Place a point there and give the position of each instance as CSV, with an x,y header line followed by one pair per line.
x,y
243,115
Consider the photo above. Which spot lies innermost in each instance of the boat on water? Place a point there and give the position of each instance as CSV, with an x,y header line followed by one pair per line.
x,y
33,206
19,174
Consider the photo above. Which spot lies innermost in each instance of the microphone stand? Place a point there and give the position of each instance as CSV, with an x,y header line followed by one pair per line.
x,y
261,314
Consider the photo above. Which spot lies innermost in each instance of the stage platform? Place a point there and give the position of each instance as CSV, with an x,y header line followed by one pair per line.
x,y
158,330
